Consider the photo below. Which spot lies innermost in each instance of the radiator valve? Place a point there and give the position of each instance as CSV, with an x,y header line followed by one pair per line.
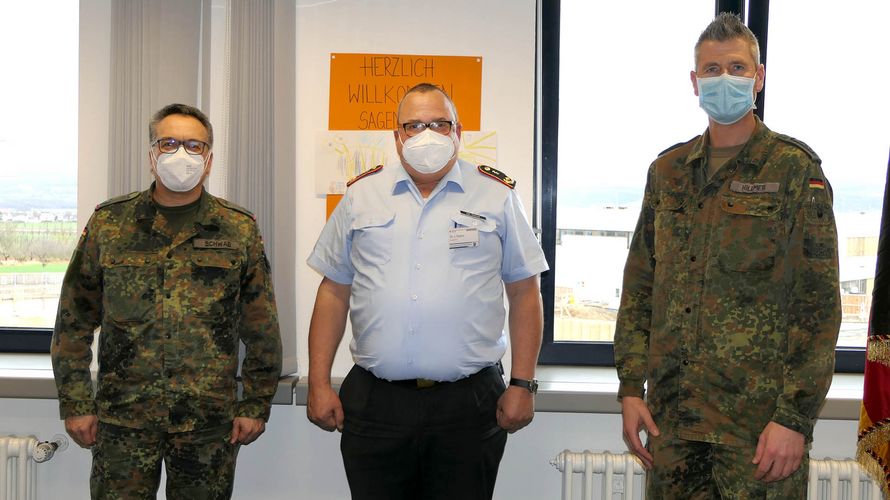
x,y
46,449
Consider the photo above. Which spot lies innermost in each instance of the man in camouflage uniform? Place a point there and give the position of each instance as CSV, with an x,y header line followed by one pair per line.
x,y
731,308
175,278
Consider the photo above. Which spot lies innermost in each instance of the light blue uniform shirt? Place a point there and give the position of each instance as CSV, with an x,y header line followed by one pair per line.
x,y
420,309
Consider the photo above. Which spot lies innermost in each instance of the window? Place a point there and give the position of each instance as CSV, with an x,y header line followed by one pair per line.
x,y
623,96
616,92
38,160
847,127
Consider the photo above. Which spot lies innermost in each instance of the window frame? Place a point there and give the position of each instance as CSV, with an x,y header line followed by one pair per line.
x,y
37,340
20,340
847,359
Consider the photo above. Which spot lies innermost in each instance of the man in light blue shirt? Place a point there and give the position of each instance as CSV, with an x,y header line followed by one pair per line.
x,y
420,253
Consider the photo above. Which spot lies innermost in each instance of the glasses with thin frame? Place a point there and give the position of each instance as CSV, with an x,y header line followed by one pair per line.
x,y
171,145
440,126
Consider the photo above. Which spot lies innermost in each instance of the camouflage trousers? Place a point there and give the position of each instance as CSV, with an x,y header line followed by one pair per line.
x,y
694,470
200,464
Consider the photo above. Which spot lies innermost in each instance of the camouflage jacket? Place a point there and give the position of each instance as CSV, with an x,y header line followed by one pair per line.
x,y
172,309
731,305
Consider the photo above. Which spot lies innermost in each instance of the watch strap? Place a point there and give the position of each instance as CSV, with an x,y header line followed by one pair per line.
x,y
530,385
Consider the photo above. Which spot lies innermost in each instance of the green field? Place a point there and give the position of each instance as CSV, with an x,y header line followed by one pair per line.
x,y
34,267
39,226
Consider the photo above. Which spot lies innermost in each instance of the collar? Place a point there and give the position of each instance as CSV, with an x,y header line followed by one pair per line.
x,y
147,208
401,181
755,151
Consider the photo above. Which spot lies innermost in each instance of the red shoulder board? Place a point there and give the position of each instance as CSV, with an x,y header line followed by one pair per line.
x,y
364,174
498,176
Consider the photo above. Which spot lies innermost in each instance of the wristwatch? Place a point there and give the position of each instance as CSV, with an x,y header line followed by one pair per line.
x,y
531,385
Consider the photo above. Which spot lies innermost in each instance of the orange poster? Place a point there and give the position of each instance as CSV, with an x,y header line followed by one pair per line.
x,y
366,88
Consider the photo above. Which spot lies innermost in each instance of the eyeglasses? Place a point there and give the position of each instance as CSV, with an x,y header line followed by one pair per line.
x,y
441,126
171,145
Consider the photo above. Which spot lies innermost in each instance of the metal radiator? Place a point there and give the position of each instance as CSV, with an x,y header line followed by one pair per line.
x,y
614,476
18,469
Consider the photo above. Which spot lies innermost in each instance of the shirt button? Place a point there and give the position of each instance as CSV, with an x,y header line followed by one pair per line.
x,y
701,205
410,361
685,362
692,258
414,296
418,267
411,331
420,236
689,309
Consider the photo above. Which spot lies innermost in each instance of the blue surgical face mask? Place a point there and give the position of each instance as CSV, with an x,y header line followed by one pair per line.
x,y
725,98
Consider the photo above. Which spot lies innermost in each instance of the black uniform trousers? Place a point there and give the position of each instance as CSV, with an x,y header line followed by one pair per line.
x,y
401,441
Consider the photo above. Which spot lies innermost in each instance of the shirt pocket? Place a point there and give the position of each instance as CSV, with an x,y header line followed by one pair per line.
x,y
215,278
669,224
749,229
130,281
372,236
486,254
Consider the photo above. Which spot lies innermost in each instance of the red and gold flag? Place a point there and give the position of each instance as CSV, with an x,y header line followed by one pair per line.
x,y
873,443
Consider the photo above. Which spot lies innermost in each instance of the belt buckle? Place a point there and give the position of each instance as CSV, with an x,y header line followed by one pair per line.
x,y
423,383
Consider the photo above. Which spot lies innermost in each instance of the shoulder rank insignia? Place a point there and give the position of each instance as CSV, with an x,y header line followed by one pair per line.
x,y
118,199
677,145
364,174
800,144
232,206
498,176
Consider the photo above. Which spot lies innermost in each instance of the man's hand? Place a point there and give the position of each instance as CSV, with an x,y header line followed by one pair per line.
x,y
516,408
779,453
324,408
245,430
82,429
635,415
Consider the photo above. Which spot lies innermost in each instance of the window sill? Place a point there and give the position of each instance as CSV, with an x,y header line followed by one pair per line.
x,y
30,376
563,389
575,389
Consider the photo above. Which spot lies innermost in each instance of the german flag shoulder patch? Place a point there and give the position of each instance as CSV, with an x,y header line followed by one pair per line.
x,y
364,174
497,175
816,183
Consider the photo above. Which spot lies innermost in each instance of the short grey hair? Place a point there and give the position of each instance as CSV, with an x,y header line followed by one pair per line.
x,y
179,109
725,27
423,88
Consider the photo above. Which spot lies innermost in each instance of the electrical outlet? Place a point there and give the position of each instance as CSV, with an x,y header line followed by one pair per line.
x,y
617,484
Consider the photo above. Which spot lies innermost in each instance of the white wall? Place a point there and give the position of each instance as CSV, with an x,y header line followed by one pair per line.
x,y
93,106
501,31
295,460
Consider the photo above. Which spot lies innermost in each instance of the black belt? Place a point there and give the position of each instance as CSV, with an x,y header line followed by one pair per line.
x,y
417,383
425,383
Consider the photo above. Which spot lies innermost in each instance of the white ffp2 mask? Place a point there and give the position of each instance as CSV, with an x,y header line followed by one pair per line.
x,y
180,171
428,152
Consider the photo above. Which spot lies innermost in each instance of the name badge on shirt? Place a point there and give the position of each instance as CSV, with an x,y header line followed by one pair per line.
x,y
203,243
754,187
463,237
